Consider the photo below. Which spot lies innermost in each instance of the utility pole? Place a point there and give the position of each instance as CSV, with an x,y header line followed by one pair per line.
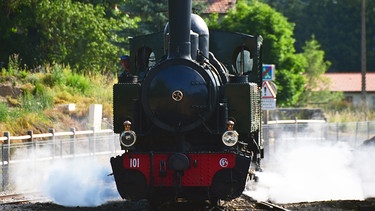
x,y
363,53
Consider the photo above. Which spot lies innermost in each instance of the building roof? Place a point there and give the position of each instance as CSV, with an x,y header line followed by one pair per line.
x,y
218,6
350,82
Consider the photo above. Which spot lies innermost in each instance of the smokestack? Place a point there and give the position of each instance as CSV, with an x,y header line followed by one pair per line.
x,y
179,29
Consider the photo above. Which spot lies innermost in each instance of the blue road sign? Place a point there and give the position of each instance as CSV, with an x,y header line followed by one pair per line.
x,y
268,72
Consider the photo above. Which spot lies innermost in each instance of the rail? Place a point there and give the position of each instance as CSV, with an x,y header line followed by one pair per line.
x,y
30,135
296,121
52,135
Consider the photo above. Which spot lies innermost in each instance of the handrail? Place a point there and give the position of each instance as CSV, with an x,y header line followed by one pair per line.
x,y
52,134
296,121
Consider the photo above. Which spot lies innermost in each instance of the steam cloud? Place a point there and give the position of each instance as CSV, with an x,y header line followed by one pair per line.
x,y
79,183
315,170
69,182
293,171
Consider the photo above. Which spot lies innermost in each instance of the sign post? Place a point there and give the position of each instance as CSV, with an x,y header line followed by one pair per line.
x,y
268,96
269,90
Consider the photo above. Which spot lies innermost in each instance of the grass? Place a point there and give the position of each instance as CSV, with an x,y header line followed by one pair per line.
x,y
350,115
43,93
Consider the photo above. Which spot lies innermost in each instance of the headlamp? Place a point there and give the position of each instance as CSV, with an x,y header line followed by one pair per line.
x,y
128,138
230,138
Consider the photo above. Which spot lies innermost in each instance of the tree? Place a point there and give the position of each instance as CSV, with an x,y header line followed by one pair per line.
x,y
336,25
18,33
253,17
79,35
153,13
317,88
82,35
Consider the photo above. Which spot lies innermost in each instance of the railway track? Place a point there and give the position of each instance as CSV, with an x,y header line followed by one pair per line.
x,y
242,203
245,202
20,198
269,206
265,205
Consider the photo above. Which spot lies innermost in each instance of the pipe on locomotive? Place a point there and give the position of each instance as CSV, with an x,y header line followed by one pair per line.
x,y
179,29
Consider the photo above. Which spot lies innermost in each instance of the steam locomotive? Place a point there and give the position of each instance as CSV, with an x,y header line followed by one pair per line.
x,y
189,115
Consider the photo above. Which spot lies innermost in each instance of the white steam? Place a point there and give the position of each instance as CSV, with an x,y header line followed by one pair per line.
x,y
79,183
69,182
315,170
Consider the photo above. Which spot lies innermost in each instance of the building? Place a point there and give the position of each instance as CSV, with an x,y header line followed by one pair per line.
x,y
351,85
218,6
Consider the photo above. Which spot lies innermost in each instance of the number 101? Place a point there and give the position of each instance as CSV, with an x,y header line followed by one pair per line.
x,y
134,162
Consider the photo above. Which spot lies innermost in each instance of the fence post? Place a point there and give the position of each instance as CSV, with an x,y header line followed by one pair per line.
x,y
266,137
323,129
53,140
2,168
337,131
6,160
61,148
92,141
31,140
73,141
296,127
7,145
356,134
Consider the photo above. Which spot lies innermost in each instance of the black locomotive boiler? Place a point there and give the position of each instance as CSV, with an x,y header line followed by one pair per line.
x,y
189,116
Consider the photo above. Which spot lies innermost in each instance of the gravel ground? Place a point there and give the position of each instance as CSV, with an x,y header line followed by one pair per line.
x,y
241,203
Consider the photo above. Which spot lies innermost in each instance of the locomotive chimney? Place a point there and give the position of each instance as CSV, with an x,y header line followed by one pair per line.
x,y
179,29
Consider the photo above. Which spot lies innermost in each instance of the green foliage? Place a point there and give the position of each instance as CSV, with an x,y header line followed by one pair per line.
x,y
317,88
316,66
55,75
58,75
213,21
42,93
336,25
39,100
3,112
13,64
77,34
254,17
14,69
83,34
152,13
79,83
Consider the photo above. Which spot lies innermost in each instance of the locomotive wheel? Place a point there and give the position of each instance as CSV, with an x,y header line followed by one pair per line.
x,y
226,184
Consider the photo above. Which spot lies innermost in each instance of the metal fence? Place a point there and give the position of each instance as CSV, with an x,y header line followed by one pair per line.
x,y
57,145
16,150
354,133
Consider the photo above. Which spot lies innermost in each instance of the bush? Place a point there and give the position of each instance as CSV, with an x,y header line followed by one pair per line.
x,y
64,77
41,92
3,112
79,83
40,100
